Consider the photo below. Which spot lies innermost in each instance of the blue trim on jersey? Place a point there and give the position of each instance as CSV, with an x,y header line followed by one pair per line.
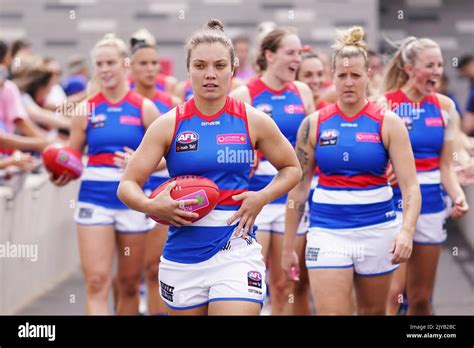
x,y
429,243
184,308
190,244
99,193
132,232
246,299
346,266
431,199
377,274
330,188
338,216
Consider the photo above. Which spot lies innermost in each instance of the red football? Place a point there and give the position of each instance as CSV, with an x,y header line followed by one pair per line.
x,y
62,159
191,187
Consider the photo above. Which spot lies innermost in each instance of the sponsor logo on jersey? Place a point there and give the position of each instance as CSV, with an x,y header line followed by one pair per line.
x,y
390,214
312,254
433,122
349,124
328,137
368,137
254,279
131,120
278,97
231,139
167,291
187,141
114,109
294,109
85,213
212,123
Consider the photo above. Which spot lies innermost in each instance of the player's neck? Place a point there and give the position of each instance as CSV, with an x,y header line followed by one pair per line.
x,y
147,92
351,110
209,107
272,81
412,92
116,94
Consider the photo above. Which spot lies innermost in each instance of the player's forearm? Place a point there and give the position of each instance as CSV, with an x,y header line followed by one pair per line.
x,y
450,181
22,143
295,206
283,182
131,194
411,198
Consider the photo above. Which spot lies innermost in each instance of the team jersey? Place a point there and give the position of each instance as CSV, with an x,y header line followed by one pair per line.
x,y
163,101
426,128
286,108
188,91
110,127
160,82
352,190
219,148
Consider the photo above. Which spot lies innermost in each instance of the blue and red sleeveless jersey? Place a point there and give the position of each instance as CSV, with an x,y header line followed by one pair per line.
x,y
188,91
286,108
160,82
110,127
163,101
425,125
219,148
352,191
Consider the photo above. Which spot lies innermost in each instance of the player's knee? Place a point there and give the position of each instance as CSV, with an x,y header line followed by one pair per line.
x,y
151,271
98,283
129,285
419,298
282,288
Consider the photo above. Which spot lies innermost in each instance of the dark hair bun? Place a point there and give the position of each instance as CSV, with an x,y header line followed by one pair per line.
x,y
215,24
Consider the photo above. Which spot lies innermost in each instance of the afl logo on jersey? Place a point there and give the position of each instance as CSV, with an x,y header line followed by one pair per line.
x,y
328,137
187,141
266,108
98,120
254,279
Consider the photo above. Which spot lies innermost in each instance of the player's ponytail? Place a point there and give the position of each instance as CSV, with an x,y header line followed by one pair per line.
x,y
408,49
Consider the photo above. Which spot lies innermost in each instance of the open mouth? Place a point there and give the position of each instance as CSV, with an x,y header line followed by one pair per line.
x,y
431,83
292,69
210,85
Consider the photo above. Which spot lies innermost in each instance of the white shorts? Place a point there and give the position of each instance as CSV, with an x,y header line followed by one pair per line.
x,y
272,219
124,220
367,250
236,273
430,228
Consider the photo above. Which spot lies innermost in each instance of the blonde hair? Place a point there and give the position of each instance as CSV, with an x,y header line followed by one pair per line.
x,y
350,43
212,33
408,50
110,40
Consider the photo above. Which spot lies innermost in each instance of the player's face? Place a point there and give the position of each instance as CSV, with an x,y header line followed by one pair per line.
x,y
210,70
351,79
109,67
285,61
427,70
145,66
312,73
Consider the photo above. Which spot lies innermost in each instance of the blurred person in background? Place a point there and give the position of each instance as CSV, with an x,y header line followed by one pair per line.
x,y
244,70
466,68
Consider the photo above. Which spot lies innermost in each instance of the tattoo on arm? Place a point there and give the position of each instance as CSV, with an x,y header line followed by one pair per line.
x,y
303,158
300,207
407,202
305,130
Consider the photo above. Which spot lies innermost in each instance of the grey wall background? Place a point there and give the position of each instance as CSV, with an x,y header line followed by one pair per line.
x,y
60,28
